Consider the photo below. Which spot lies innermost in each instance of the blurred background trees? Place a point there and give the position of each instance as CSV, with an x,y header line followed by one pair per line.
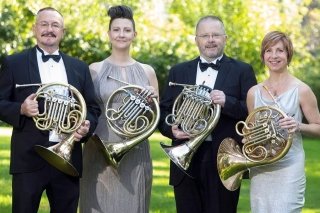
x,y
166,30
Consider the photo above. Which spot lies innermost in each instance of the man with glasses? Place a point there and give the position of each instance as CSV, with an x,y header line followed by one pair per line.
x,y
43,64
200,190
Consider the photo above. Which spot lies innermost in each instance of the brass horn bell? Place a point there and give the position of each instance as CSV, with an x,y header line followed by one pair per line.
x,y
136,119
264,143
194,112
64,112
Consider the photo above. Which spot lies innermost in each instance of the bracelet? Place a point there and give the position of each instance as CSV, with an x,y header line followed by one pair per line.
x,y
298,127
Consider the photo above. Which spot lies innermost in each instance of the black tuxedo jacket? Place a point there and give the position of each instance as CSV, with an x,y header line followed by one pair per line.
x,y
234,79
22,68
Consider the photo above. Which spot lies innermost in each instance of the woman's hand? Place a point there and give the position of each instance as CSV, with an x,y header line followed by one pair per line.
x,y
82,130
290,123
153,93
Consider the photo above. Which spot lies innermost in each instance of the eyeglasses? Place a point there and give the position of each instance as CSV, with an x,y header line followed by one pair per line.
x,y
54,25
208,36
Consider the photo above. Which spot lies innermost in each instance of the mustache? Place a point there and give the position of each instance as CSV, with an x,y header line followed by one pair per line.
x,y
49,34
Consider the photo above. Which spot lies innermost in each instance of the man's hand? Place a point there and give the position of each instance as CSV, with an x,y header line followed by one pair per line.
x,y
218,97
30,107
178,133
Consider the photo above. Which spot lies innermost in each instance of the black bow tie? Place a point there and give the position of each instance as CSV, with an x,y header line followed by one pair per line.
x,y
56,58
204,66
45,58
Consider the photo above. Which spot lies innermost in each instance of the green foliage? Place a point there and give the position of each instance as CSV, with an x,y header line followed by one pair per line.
x,y
310,72
166,30
14,38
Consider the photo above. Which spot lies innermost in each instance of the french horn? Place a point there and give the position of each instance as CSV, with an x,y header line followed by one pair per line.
x,y
135,119
64,111
264,143
196,115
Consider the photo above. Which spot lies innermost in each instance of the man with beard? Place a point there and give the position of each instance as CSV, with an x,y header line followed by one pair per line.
x,y
43,64
201,190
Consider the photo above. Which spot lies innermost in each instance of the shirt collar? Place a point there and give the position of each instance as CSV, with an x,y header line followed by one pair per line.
x,y
203,60
46,53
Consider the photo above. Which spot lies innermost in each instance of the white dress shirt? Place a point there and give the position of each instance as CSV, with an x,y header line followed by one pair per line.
x,y
52,71
207,78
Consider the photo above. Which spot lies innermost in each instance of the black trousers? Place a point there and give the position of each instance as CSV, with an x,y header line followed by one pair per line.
x,y
62,191
204,193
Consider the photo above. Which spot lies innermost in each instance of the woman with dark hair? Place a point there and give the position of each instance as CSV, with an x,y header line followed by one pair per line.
x,y
280,187
127,188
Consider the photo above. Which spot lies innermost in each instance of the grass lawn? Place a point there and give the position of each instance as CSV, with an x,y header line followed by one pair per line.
x,y
162,200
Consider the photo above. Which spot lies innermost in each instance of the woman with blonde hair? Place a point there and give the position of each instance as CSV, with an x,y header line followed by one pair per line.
x,y
280,187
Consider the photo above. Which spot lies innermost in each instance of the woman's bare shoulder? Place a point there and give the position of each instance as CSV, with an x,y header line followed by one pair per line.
x,y
95,68
149,69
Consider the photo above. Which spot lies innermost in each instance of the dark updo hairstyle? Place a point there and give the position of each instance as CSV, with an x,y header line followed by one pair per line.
x,y
121,11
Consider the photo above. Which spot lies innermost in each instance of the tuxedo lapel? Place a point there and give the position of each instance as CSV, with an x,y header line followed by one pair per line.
x,y
191,70
34,74
223,73
71,73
